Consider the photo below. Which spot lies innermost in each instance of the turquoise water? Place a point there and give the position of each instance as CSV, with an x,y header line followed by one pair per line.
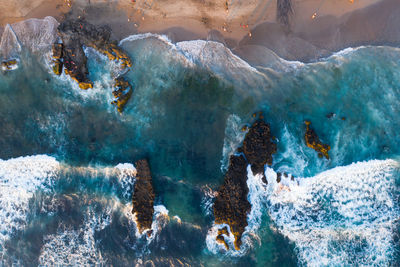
x,y
189,103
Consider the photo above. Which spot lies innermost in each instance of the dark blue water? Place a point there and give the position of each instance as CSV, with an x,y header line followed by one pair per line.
x,y
189,103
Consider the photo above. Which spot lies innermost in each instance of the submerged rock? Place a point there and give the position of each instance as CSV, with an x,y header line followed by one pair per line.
x,y
312,141
143,197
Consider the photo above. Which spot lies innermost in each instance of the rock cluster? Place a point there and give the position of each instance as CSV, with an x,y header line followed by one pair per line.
x,y
9,64
143,197
312,141
122,93
220,238
69,54
57,58
231,205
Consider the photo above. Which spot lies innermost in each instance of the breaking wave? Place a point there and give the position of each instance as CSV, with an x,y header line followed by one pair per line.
x,y
343,216
103,193
20,178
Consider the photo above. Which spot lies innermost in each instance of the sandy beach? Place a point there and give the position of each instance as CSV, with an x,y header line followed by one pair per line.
x,y
316,28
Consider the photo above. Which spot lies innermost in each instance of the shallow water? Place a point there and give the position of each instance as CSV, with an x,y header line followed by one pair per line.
x,y
189,103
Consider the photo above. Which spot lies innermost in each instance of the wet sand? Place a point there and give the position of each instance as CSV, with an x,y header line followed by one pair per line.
x,y
247,27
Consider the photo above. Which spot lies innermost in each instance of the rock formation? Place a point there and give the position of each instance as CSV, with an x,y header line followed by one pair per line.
x,y
9,64
258,146
78,33
231,205
220,238
57,58
143,197
312,141
122,93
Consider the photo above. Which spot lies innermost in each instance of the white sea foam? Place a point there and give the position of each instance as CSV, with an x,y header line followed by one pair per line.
x,y
256,197
210,55
19,179
36,35
293,152
142,36
76,247
343,216
233,138
219,59
207,200
160,219
126,177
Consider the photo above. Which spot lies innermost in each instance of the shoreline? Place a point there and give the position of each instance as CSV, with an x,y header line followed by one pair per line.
x,y
348,25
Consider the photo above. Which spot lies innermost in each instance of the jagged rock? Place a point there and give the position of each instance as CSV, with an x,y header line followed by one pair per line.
x,y
57,68
279,177
312,141
143,197
231,205
220,238
78,33
9,64
258,146
57,51
122,93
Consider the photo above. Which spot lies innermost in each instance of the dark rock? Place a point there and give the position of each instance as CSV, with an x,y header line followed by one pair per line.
x,y
231,205
220,239
258,146
264,179
143,196
78,33
312,141
57,68
122,93
330,115
278,177
9,64
57,51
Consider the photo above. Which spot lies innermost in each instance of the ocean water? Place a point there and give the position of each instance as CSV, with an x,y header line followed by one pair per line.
x,y
66,168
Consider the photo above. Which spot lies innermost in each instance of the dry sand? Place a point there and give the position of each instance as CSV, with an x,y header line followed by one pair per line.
x,y
243,25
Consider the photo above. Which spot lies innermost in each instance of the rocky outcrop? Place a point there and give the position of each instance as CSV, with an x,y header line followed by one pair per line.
x,y
9,64
78,33
312,141
231,205
122,93
221,239
57,58
143,197
258,146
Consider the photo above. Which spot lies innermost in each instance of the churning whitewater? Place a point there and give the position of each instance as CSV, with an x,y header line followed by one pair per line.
x,y
67,170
